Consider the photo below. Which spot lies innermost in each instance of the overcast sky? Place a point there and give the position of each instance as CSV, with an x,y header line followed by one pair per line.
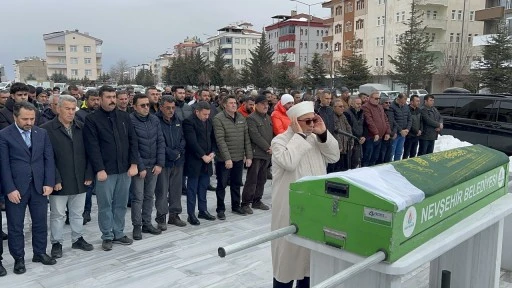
x,y
135,30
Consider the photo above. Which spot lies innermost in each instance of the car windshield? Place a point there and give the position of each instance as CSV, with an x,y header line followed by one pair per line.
x,y
392,95
421,91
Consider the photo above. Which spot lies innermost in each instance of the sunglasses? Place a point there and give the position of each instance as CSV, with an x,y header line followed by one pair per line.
x,y
308,121
144,105
387,102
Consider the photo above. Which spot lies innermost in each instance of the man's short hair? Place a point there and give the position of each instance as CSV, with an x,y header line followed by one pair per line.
x,y
294,92
175,88
50,99
139,96
167,99
56,88
402,96
202,105
130,88
265,92
361,95
429,96
25,105
91,92
31,89
17,87
3,91
105,88
226,99
250,98
72,88
150,88
414,96
66,98
121,92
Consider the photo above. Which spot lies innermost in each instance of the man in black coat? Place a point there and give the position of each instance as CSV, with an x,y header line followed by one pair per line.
x,y
324,109
112,148
19,93
73,175
355,118
432,122
200,139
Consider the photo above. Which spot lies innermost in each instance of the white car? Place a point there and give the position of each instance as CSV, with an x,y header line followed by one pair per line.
x,y
419,92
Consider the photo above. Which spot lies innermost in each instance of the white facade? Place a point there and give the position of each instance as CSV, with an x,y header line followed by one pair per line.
x,y
134,70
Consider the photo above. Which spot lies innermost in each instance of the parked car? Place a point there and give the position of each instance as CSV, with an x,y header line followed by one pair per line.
x,y
385,91
419,92
477,118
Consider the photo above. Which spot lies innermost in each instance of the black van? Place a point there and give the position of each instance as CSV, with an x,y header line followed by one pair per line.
x,y
477,118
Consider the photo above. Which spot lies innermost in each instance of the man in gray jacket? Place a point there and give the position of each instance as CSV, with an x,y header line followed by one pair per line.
x,y
432,125
260,132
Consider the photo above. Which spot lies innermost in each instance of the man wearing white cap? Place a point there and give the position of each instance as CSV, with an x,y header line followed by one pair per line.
x,y
304,149
280,120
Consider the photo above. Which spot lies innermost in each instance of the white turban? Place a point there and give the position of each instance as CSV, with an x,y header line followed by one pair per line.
x,y
300,109
286,98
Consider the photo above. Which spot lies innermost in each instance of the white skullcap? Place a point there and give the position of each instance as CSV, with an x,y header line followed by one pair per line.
x,y
300,109
286,98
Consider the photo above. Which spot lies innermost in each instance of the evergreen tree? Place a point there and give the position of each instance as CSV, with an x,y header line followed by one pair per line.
x,y
199,69
217,68
59,78
245,76
283,77
231,76
354,71
260,65
496,73
145,78
414,64
314,74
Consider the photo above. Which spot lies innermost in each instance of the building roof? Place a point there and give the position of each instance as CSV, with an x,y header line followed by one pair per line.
x,y
63,33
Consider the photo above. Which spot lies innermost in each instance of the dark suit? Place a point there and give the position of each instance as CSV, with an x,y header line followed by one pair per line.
x,y
26,170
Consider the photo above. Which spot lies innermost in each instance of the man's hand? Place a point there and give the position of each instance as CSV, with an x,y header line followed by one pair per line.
x,y
101,175
87,182
133,170
269,151
206,159
47,190
248,163
376,138
386,137
57,187
295,125
394,136
14,197
362,140
156,170
404,132
419,133
212,155
441,126
142,174
229,164
319,125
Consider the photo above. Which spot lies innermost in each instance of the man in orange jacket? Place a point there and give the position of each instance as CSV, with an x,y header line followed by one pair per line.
x,y
247,107
280,120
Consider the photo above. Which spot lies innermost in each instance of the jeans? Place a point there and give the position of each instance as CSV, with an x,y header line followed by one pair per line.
x,y
255,181
411,147
112,197
143,192
426,147
235,177
88,197
196,186
304,283
398,147
371,152
386,151
75,204
168,192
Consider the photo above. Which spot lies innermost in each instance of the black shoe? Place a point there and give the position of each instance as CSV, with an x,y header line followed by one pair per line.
x,y
4,236
3,272
211,188
137,232
106,245
19,266
82,245
174,219
151,230
192,219
184,190
206,215
123,241
221,216
247,209
239,211
56,250
259,205
87,217
44,259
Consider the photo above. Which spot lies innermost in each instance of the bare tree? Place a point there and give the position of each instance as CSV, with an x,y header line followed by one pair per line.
x,y
456,61
378,73
118,69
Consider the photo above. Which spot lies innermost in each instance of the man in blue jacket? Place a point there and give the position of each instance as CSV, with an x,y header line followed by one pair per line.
x,y
170,181
28,176
403,120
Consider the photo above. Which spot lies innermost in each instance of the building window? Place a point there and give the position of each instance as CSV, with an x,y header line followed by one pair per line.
x,y
359,24
237,51
348,7
87,60
87,49
301,45
378,21
397,38
306,32
472,15
348,26
433,37
434,14
317,32
317,46
453,14
403,16
338,29
237,61
451,37
73,48
60,48
381,62
337,46
322,46
305,45
359,44
459,15
74,60
254,41
62,60
428,14
301,31
339,10
243,41
377,62
322,33
360,4
244,51
237,40
88,72
457,38
74,72
382,2
397,16
326,46
347,45
470,38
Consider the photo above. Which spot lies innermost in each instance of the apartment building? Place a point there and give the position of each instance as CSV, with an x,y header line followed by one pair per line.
x,y
73,53
189,46
235,41
159,65
30,68
297,37
372,28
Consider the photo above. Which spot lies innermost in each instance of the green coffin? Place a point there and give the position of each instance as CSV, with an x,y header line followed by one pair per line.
x,y
396,207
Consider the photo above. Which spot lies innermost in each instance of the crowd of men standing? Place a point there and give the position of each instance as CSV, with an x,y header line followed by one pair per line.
x,y
146,150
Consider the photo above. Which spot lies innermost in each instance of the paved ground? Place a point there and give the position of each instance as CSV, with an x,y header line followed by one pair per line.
x,y
179,257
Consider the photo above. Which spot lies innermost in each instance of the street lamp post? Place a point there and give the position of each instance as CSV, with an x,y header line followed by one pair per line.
x,y
309,24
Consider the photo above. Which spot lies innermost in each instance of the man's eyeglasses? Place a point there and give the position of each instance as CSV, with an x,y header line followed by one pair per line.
x,y
387,103
308,121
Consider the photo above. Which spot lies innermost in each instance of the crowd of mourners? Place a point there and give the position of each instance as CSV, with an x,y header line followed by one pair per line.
x,y
143,151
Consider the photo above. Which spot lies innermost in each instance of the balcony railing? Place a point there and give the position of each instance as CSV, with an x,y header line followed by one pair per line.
x,y
433,2
493,13
435,23
57,65
55,54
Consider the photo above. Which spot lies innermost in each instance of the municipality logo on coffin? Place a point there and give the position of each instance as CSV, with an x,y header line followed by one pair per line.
x,y
409,221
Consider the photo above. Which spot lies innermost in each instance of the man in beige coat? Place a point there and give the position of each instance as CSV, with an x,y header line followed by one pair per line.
x,y
303,150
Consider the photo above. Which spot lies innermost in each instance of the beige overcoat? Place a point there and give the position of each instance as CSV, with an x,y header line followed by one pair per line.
x,y
294,157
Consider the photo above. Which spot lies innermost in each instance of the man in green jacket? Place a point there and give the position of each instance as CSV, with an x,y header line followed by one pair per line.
x,y
234,144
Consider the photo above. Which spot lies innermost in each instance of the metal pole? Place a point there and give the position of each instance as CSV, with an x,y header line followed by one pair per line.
x,y
353,270
309,32
233,248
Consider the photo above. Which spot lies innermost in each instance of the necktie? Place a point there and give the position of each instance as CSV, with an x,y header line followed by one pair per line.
x,y
26,137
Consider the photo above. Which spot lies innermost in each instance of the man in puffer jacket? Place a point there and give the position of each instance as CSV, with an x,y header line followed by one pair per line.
x,y
402,115
152,159
280,120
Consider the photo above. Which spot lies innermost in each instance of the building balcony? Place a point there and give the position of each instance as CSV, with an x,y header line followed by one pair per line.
x,y
443,3
56,65
98,54
437,47
435,23
55,54
329,21
331,3
493,13
327,38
